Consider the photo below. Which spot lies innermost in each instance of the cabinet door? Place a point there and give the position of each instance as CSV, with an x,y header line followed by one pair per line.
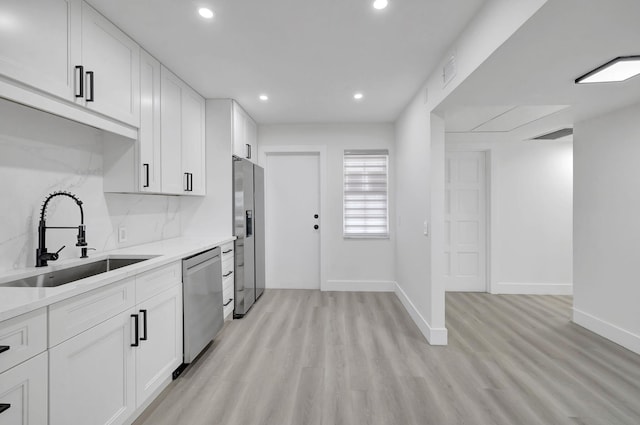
x,y
149,133
24,389
41,43
173,181
239,131
92,377
251,139
193,141
160,352
114,59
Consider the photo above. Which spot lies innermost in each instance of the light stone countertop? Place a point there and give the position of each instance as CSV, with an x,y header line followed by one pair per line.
x,y
17,301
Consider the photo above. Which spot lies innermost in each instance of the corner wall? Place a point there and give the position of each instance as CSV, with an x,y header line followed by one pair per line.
x,y
606,226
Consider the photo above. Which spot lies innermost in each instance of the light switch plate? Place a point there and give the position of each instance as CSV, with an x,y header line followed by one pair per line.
x,y
122,234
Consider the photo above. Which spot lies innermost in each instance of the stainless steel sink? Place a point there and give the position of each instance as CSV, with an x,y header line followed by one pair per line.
x,y
72,274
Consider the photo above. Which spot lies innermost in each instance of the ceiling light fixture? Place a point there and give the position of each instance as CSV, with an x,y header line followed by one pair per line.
x,y
620,69
205,13
358,96
264,97
380,4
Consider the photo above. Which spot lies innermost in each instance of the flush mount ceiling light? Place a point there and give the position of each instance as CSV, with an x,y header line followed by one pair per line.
x,y
205,13
380,4
358,96
263,97
617,70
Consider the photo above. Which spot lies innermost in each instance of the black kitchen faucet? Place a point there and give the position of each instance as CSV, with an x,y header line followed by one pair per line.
x,y
42,256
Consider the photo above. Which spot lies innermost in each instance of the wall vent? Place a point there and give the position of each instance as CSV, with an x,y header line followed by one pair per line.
x,y
555,135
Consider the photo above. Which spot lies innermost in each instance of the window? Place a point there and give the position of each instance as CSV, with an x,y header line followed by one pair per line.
x,y
366,208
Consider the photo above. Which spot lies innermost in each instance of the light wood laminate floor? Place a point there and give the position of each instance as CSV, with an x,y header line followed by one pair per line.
x,y
306,357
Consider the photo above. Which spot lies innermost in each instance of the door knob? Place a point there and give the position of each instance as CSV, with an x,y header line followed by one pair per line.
x,y
315,226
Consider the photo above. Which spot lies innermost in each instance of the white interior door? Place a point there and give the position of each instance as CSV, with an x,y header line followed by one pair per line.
x,y
292,201
465,222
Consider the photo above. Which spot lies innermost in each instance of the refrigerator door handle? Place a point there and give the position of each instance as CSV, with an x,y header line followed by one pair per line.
x,y
249,217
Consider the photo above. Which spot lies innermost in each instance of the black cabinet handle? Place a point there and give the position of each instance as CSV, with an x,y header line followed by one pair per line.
x,y
186,184
227,251
315,226
136,325
79,79
146,175
248,151
90,96
228,302
4,406
190,182
144,325
4,348
228,274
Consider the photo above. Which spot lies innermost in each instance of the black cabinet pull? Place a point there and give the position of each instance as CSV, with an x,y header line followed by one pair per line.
x,y
315,226
228,274
186,184
146,175
79,79
190,182
4,406
227,251
144,325
4,348
248,151
136,325
90,96
228,302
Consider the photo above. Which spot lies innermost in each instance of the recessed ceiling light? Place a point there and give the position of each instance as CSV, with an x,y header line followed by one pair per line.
x,y
617,70
264,97
380,4
205,13
358,96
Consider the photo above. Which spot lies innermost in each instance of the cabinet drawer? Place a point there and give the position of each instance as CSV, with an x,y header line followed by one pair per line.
x,y
24,388
227,268
228,309
227,284
25,336
155,281
227,251
70,317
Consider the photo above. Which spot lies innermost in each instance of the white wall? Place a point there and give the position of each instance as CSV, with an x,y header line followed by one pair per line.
x,y
212,214
40,154
531,209
349,263
420,164
606,226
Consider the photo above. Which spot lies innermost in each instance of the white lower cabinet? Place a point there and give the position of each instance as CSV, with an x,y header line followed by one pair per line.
x,y
105,373
92,375
23,393
160,352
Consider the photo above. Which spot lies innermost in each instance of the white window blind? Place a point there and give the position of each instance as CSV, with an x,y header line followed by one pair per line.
x,y
366,183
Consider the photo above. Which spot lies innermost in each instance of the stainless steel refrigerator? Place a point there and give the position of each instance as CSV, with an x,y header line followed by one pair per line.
x,y
248,225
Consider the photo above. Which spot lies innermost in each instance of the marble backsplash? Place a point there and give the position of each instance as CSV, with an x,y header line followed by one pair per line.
x,y
41,153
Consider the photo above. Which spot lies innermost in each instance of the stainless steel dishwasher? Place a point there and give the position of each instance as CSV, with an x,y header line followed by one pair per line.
x,y
202,301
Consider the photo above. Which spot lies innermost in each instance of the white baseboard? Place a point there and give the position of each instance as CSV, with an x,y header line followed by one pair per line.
x,y
532,288
614,333
435,336
359,286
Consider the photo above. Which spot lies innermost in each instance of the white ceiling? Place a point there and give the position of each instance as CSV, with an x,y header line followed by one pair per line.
x,y
308,56
538,65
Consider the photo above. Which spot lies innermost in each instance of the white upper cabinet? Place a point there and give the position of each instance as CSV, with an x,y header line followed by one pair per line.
x,y
66,49
111,63
41,43
245,134
193,141
182,139
149,133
